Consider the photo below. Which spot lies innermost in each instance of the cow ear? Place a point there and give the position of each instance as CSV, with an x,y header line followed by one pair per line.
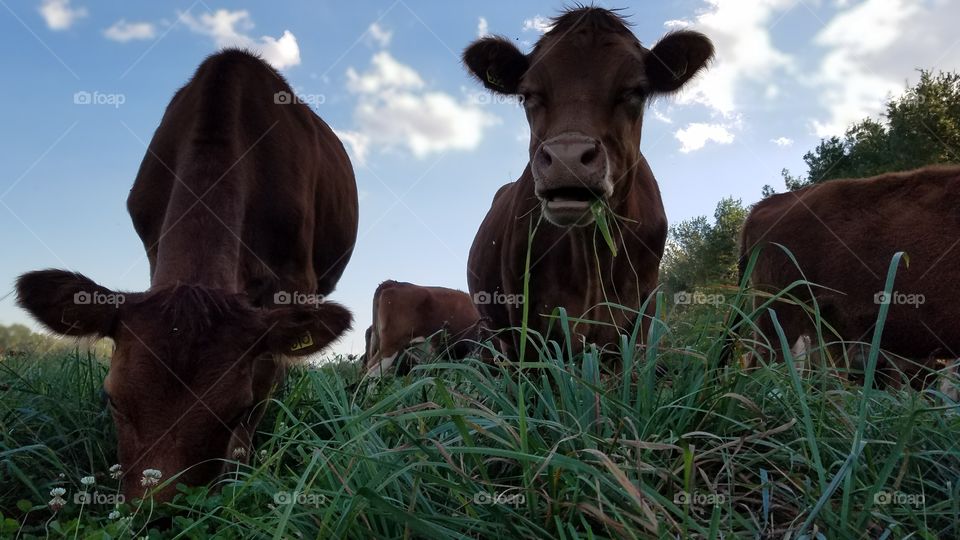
x,y
676,58
304,329
69,303
496,63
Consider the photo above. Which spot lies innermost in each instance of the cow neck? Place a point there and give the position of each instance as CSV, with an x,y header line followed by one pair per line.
x,y
200,242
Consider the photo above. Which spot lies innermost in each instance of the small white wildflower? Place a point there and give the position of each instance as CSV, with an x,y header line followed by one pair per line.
x,y
115,471
151,477
263,455
239,452
57,502
113,515
88,481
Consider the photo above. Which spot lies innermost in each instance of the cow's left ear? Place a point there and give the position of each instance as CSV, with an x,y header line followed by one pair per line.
x,y
304,329
496,63
676,58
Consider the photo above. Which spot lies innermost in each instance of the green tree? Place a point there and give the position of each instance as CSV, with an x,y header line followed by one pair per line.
x,y
16,336
701,254
921,127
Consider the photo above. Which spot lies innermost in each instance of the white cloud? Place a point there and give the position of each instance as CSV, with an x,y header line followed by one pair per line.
x,y
396,110
483,27
59,15
385,73
660,115
124,31
227,28
379,34
782,142
740,32
872,48
676,24
357,144
537,24
696,135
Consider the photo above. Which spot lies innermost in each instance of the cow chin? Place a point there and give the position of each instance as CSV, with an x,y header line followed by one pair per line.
x,y
567,213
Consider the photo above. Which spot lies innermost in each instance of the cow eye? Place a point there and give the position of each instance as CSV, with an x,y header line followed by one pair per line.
x,y
632,97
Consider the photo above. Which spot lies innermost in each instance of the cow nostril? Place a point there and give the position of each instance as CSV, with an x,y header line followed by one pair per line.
x,y
589,156
545,158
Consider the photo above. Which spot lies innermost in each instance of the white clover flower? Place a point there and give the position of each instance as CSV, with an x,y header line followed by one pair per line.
x,y
113,515
263,455
115,471
151,477
88,481
57,502
239,452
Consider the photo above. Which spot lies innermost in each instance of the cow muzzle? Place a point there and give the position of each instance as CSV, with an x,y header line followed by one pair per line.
x,y
571,172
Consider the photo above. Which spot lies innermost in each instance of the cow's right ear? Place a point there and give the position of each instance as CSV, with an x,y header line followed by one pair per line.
x,y
496,63
68,303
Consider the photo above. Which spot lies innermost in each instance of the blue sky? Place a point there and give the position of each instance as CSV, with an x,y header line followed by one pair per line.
x,y
429,147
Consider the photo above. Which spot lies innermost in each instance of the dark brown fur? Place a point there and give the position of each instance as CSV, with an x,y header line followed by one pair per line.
x,y
403,312
844,234
588,79
238,198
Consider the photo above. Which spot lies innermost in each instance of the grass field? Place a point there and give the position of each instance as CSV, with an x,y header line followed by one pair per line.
x,y
466,449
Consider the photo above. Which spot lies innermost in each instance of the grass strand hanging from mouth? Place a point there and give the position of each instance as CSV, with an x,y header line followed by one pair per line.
x,y
600,217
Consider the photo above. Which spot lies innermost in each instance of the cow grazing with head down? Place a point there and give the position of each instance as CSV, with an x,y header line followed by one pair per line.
x,y
405,314
843,235
241,197
584,88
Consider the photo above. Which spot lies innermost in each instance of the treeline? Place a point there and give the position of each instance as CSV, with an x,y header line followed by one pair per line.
x,y
19,339
920,127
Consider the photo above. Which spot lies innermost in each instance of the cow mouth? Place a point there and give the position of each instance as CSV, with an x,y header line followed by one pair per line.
x,y
568,206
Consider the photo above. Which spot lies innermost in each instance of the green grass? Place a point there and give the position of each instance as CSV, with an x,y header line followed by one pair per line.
x,y
452,450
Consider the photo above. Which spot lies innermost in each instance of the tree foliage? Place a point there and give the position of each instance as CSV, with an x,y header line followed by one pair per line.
x,y
699,253
921,127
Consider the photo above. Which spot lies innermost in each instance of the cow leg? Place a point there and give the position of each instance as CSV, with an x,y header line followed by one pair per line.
x,y
377,369
412,354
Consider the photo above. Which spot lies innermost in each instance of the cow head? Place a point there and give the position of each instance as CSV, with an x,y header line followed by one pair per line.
x,y
584,88
191,367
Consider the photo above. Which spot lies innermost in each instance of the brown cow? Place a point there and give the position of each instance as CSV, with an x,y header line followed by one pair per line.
x,y
843,234
584,88
242,197
405,314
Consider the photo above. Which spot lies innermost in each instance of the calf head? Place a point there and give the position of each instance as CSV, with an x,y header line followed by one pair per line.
x,y
191,366
584,88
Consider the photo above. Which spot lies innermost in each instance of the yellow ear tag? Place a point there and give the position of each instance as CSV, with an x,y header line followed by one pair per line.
x,y
306,340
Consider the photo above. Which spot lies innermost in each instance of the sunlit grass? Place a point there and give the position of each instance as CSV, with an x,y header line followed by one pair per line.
x,y
684,447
